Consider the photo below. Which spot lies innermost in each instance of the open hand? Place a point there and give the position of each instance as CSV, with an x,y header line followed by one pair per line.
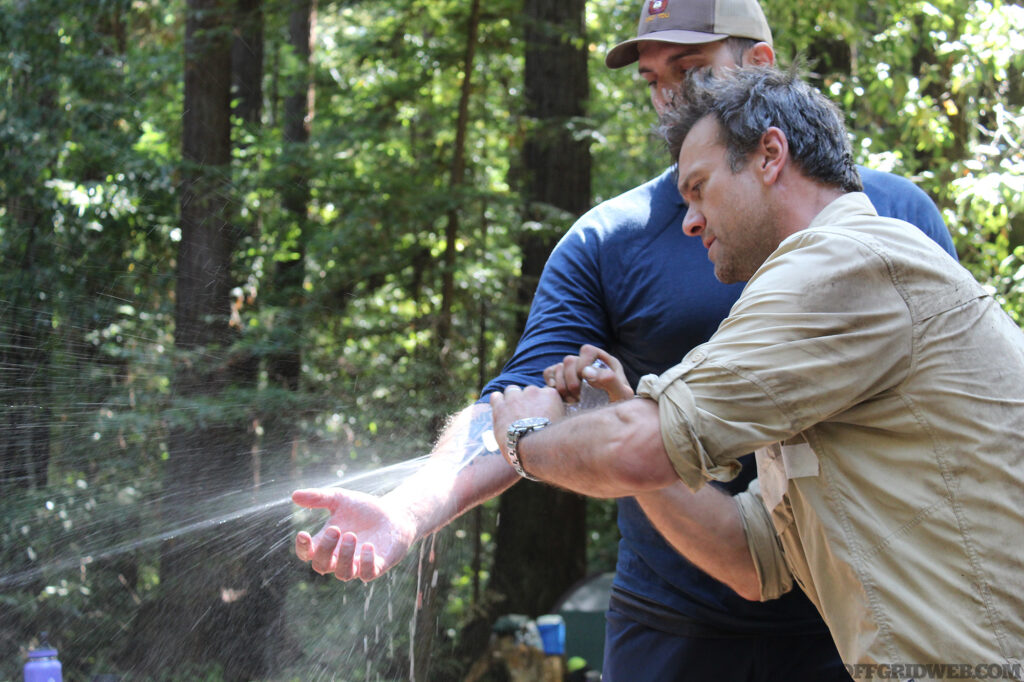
x,y
363,537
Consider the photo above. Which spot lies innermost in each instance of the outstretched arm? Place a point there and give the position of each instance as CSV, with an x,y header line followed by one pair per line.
x,y
365,536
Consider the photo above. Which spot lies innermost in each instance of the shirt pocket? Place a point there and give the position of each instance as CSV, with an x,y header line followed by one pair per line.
x,y
777,464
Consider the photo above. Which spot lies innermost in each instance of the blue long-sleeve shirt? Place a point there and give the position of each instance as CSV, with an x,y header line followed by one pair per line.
x,y
625,278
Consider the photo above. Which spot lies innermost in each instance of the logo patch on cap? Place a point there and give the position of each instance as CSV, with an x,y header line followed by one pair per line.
x,y
656,6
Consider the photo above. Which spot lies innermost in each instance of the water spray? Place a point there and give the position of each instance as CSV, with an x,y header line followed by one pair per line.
x,y
85,558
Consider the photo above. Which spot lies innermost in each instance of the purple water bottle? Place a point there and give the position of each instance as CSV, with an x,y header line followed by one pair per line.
x,y
42,665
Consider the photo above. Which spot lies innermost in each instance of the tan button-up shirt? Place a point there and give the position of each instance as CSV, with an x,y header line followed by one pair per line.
x,y
883,391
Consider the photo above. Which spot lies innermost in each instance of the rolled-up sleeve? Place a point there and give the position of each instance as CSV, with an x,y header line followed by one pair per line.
x,y
677,412
773,572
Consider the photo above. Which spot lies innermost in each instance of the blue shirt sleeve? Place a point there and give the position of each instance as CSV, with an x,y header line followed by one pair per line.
x,y
567,310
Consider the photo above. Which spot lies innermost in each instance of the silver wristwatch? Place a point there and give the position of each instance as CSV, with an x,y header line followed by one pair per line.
x,y
517,430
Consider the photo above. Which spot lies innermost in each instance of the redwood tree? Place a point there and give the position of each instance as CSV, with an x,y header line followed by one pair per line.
x,y
211,606
538,521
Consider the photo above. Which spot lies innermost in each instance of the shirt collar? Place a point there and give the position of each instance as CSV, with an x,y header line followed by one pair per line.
x,y
850,203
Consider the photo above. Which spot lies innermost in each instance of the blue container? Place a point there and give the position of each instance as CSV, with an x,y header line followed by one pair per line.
x,y
42,664
552,634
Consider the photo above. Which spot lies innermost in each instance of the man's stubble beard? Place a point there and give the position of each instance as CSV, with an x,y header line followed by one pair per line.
x,y
741,266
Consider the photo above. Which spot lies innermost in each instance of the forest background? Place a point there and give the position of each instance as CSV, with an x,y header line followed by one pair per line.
x,y
252,245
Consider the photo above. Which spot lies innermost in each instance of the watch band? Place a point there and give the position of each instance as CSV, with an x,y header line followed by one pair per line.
x,y
516,431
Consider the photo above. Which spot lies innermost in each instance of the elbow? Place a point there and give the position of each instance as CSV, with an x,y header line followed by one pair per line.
x,y
744,578
737,572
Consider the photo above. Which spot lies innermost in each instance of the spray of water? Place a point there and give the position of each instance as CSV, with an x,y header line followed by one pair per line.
x,y
274,495
345,637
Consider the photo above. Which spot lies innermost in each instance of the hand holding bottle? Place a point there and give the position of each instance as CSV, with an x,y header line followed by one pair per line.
x,y
588,380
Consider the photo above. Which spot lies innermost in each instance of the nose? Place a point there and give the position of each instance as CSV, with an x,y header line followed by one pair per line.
x,y
693,222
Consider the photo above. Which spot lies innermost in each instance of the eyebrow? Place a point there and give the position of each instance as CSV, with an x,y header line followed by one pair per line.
x,y
682,54
684,184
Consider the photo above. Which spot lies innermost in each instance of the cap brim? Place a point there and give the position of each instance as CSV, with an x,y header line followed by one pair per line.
x,y
625,53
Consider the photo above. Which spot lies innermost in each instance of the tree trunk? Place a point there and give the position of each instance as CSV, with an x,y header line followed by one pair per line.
x,y
25,254
287,296
286,291
247,62
210,610
25,411
456,180
556,164
557,167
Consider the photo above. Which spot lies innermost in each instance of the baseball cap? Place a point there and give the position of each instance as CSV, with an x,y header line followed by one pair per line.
x,y
692,22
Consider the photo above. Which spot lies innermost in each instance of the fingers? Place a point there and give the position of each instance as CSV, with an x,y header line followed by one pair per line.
x,y
567,376
321,551
304,546
518,398
313,498
589,354
611,382
517,403
611,379
345,568
553,377
336,553
325,550
368,569
572,364
562,377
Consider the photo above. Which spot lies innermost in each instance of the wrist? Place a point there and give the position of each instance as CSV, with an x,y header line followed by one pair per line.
x,y
517,431
415,515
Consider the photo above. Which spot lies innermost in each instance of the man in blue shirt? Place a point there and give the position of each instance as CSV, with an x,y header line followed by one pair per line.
x,y
624,278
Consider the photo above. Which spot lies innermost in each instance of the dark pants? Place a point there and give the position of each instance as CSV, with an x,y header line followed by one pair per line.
x,y
637,653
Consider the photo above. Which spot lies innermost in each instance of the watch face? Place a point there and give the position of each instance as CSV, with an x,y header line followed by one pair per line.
x,y
530,423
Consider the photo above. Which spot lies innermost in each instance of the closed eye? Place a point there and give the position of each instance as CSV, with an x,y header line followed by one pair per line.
x,y
692,192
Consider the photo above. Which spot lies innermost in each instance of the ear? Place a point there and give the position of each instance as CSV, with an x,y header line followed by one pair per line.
x,y
761,54
774,154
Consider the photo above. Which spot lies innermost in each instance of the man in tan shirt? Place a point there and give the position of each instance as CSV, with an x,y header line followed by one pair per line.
x,y
882,390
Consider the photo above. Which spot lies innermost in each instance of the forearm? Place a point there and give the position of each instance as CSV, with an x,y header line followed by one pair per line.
x,y
619,451
705,527
459,474
612,452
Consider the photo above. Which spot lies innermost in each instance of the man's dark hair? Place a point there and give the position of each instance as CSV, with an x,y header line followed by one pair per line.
x,y
739,47
748,101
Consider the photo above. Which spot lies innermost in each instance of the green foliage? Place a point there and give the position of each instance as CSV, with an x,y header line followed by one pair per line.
x,y
625,150
933,91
